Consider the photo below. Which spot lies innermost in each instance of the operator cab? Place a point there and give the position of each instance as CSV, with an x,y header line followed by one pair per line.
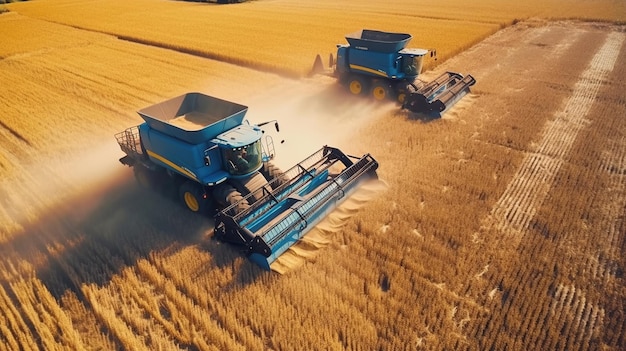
x,y
411,62
242,160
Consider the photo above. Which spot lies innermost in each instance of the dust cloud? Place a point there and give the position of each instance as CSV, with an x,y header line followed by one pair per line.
x,y
53,202
49,183
313,113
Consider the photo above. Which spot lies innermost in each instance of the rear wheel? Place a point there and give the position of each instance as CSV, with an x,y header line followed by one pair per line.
x,y
193,197
380,90
357,85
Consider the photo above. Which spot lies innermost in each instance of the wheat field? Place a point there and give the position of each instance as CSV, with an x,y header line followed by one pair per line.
x,y
282,36
503,229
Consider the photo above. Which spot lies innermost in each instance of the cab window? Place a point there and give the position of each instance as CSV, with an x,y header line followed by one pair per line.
x,y
243,160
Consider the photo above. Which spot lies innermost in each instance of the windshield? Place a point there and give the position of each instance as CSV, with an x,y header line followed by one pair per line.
x,y
243,160
409,66
412,65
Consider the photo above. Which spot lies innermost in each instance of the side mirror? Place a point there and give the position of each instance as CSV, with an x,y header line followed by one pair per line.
x,y
207,159
275,124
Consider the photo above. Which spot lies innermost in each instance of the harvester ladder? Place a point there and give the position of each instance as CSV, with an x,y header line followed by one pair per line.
x,y
268,148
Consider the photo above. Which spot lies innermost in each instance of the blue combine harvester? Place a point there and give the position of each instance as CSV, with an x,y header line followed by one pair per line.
x,y
202,147
379,64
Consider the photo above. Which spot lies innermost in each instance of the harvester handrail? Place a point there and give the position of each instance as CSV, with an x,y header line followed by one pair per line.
x,y
130,141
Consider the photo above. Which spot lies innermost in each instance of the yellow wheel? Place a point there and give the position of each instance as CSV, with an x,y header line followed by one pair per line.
x,y
191,201
379,93
356,87
401,97
192,195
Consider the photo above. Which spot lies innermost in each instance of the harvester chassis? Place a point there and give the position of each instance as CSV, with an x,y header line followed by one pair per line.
x,y
200,149
150,175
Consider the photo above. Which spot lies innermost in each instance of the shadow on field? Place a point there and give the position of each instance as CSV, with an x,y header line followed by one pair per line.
x,y
92,238
421,117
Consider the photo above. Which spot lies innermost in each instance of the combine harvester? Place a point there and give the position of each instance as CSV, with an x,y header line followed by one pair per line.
x,y
379,64
202,147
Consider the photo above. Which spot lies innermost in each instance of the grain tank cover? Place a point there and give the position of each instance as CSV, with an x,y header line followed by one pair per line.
x,y
375,40
194,117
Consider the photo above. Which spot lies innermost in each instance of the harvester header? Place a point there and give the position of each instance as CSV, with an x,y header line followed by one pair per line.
x,y
301,197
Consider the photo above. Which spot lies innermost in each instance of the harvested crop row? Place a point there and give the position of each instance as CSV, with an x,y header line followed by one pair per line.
x,y
518,204
563,237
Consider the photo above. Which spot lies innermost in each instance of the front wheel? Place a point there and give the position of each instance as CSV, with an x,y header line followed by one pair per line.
x,y
273,174
226,195
193,197
401,96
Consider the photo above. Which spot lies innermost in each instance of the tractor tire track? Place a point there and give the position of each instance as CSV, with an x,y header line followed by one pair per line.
x,y
524,195
614,164
573,309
